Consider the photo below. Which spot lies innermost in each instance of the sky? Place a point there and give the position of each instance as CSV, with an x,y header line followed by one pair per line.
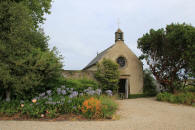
x,y
81,28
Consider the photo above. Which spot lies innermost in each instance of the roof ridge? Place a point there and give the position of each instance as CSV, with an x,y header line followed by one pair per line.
x,y
97,58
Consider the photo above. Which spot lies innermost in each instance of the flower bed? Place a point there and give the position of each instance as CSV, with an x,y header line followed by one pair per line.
x,y
51,104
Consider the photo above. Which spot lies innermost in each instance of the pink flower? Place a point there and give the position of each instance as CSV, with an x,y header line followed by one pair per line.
x,y
42,115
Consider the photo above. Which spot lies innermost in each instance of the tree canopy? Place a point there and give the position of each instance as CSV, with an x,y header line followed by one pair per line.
x,y
37,9
170,54
26,63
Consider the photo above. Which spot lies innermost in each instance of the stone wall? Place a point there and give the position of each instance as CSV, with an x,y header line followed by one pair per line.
x,y
79,74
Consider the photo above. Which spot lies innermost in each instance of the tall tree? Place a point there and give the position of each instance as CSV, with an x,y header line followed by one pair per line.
x,y
26,63
37,9
169,53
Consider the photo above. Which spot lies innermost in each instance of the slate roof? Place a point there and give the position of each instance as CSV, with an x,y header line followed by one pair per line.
x,y
97,58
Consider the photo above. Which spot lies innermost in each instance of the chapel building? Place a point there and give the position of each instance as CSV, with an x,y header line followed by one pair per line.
x,y
130,67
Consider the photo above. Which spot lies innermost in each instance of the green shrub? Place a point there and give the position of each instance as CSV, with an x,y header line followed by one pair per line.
x,y
163,96
190,88
9,108
80,84
182,98
172,99
132,96
33,110
108,75
149,85
109,106
189,97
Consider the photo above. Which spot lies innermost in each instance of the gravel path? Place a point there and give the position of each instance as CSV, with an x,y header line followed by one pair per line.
x,y
135,114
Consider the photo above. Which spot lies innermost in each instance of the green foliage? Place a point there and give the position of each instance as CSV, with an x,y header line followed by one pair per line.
x,y
80,84
190,88
99,107
149,86
163,96
108,106
27,66
108,75
182,98
9,108
37,9
170,54
133,96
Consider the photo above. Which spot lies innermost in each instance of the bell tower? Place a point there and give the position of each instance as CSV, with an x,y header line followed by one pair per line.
x,y
119,35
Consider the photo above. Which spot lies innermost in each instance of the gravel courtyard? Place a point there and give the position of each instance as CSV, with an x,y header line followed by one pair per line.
x,y
135,114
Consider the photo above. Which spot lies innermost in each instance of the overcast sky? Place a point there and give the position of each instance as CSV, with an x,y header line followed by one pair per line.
x,y
81,28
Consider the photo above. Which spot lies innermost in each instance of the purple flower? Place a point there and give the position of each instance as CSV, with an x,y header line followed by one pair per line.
x,y
91,92
70,96
48,92
59,91
73,94
45,97
81,94
42,95
64,92
98,91
108,92
85,90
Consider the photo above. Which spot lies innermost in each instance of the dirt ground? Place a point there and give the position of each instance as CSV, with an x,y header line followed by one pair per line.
x,y
135,114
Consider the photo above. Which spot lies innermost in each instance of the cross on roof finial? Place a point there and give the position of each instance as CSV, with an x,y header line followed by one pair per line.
x,y
118,22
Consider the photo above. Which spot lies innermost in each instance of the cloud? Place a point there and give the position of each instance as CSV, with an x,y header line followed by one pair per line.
x,y
80,29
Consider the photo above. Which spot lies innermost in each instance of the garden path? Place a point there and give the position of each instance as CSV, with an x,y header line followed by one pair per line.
x,y
135,114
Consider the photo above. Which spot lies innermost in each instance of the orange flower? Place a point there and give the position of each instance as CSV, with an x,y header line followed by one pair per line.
x,y
34,100
93,106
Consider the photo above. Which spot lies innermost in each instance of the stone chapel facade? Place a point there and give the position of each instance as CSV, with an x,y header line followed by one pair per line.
x,y
130,67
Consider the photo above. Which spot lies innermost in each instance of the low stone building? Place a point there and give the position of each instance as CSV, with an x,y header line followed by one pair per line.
x,y
130,67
